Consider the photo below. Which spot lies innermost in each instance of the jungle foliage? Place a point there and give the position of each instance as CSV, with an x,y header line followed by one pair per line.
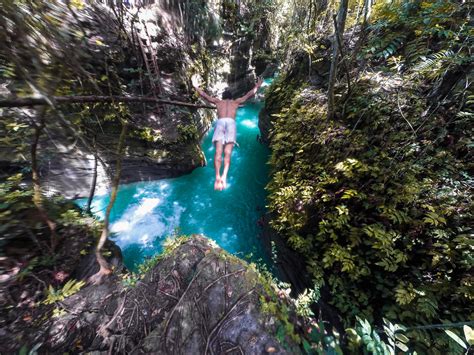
x,y
379,199
68,49
73,48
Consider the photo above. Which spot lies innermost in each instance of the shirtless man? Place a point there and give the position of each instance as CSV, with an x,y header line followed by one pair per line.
x,y
225,131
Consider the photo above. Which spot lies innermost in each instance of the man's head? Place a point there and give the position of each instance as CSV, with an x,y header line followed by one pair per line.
x,y
227,95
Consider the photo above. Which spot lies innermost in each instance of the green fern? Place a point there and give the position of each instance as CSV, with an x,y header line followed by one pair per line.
x,y
70,288
415,50
464,114
392,47
434,65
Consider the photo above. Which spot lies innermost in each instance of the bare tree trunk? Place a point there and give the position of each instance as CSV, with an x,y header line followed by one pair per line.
x,y
338,33
94,179
37,195
344,59
367,10
104,266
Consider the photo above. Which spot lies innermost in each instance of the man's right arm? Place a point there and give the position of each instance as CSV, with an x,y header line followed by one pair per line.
x,y
207,97
202,93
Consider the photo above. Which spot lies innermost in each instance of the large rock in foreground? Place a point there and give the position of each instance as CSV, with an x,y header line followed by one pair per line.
x,y
197,299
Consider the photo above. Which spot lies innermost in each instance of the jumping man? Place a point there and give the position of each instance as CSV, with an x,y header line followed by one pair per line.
x,y
224,131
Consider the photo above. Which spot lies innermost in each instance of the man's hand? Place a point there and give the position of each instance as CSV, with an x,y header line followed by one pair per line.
x,y
195,81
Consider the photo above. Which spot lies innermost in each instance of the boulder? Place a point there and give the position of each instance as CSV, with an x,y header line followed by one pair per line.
x,y
197,299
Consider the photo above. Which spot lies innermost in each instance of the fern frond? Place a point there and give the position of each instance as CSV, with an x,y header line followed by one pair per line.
x,y
414,50
434,65
394,44
464,114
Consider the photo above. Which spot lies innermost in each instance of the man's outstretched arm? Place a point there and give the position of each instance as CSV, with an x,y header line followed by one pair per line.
x,y
251,93
203,94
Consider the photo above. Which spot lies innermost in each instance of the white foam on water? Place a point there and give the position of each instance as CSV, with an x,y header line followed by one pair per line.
x,y
249,123
174,220
145,239
146,206
143,223
139,193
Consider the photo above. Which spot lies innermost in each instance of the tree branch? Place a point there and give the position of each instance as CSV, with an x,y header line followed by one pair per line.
x,y
63,100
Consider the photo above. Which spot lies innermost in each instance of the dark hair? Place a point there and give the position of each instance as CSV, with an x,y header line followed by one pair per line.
x,y
226,95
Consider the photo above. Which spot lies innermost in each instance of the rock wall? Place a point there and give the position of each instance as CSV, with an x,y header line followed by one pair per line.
x,y
158,144
197,299
248,33
162,141
298,67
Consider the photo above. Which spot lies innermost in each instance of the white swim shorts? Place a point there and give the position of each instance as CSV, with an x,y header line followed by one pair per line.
x,y
224,131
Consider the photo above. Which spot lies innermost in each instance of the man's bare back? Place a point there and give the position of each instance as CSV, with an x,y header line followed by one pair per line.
x,y
227,108
225,132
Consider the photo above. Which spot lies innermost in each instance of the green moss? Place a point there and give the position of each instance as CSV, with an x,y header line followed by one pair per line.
x,y
148,134
187,133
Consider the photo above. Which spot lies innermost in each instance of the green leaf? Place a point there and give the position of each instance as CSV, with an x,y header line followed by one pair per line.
x,y
456,338
23,350
307,346
402,338
469,334
402,347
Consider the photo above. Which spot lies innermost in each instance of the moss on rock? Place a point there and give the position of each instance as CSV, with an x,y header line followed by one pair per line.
x,y
193,299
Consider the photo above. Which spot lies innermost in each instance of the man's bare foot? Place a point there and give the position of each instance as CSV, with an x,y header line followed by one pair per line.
x,y
224,182
218,184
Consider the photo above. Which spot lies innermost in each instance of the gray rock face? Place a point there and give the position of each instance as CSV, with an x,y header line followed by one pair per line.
x,y
158,144
264,125
251,54
69,170
289,266
196,300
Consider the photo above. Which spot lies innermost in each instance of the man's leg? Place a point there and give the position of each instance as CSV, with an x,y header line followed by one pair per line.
x,y
217,165
227,153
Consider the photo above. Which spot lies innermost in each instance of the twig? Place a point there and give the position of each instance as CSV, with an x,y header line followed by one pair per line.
x,y
401,112
168,294
222,320
131,317
220,278
235,348
102,331
38,279
178,303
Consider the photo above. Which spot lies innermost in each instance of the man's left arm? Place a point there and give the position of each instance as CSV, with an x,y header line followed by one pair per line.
x,y
251,93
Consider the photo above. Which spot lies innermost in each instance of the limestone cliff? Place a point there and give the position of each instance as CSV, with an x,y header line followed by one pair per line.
x,y
163,141
150,51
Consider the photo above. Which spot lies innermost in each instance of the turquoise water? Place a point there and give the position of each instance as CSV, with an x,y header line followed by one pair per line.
x,y
145,213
